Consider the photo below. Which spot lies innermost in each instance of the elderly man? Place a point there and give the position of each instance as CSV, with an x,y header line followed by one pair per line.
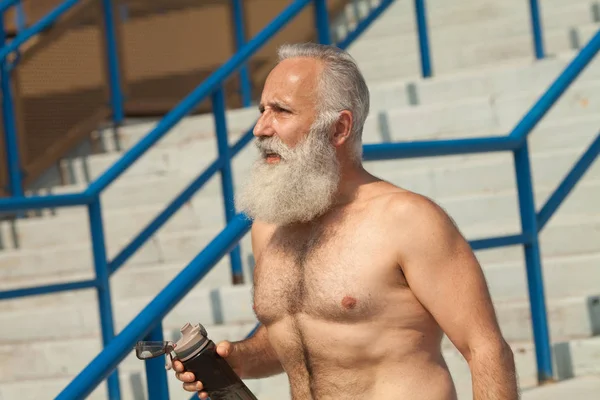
x,y
356,280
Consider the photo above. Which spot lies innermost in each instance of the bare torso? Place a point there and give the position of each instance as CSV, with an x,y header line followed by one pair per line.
x,y
339,312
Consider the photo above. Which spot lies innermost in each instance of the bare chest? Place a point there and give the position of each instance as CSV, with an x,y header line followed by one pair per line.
x,y
334,277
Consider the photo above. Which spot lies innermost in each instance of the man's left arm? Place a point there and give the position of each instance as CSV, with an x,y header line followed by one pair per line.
x,y
446,278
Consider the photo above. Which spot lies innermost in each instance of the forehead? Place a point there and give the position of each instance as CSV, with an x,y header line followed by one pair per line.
x,y
293,81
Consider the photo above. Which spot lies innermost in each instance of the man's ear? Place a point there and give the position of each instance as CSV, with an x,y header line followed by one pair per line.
x,y
342,128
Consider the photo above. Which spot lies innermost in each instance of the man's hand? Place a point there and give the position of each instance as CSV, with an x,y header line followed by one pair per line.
x,y
225,349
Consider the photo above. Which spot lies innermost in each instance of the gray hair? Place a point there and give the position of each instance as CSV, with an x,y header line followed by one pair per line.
x,y
341,86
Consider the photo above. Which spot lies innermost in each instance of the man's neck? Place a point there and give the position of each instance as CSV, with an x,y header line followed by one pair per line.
x,y
352,178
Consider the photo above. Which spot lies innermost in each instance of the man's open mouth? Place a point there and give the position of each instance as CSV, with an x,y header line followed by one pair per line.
x,y
272,157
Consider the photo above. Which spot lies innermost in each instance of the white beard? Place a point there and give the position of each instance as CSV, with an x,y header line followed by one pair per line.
x,y
299,188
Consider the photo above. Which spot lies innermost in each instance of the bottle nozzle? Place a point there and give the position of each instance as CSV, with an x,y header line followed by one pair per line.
x,y
147,350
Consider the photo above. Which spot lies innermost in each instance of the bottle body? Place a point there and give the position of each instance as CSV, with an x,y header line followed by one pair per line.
x,y
218,378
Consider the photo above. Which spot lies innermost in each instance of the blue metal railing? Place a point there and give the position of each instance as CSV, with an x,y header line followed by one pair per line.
x,y
146,324
9,123
110,357
114,74
91,196
422,30
240,39
536,29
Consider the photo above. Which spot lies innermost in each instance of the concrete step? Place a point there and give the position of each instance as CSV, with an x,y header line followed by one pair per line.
x,y
462,117
56,363
486,183
501,113
138,188
189,129
161,162
488,177
491,202
564,276
486,206
30,378
400,16
584,388
491,81
506,18
403,61
573,316
487,82
513,25
573,235
527,373
130,281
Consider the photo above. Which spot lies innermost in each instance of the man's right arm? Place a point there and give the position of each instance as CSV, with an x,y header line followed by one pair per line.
x,y
254,357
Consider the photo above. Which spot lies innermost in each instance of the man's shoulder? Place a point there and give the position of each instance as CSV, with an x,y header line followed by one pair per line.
x,y
402,202
404,208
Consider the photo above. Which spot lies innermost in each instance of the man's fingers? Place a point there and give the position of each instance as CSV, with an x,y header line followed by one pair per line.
x,y
185,376
203,395
224,348
193,386
178,366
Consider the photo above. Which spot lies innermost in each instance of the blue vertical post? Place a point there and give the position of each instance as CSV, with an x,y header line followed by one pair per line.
x,y
11,140
322,22
114,72
218,102
156,374
240,40
421,16
535,281
103,287
536,29
20,19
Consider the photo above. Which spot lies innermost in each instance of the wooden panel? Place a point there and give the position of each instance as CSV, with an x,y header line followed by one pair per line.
x,y
171,48
167,55
166,49
61,89
301,29
3,171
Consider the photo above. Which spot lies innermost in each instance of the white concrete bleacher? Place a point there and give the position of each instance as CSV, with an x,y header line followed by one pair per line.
x,y
485,80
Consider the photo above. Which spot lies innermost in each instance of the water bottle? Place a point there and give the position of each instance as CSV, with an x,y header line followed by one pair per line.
x,y
199,355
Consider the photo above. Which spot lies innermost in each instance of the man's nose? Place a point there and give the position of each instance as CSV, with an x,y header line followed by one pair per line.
x,y
264,125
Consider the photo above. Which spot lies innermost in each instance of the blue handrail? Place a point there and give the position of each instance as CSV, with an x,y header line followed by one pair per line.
x,y
42,24
218,101
536,28
47,201
156,310
200,93
421,15
114,73
239,27
6,4
558,87
568,183
9,123
322,22
91,195
527,238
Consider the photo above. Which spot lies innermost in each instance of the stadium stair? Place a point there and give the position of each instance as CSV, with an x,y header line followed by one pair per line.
x,y
485,80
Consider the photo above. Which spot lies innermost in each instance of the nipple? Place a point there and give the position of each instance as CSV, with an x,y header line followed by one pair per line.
x,y
348,302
